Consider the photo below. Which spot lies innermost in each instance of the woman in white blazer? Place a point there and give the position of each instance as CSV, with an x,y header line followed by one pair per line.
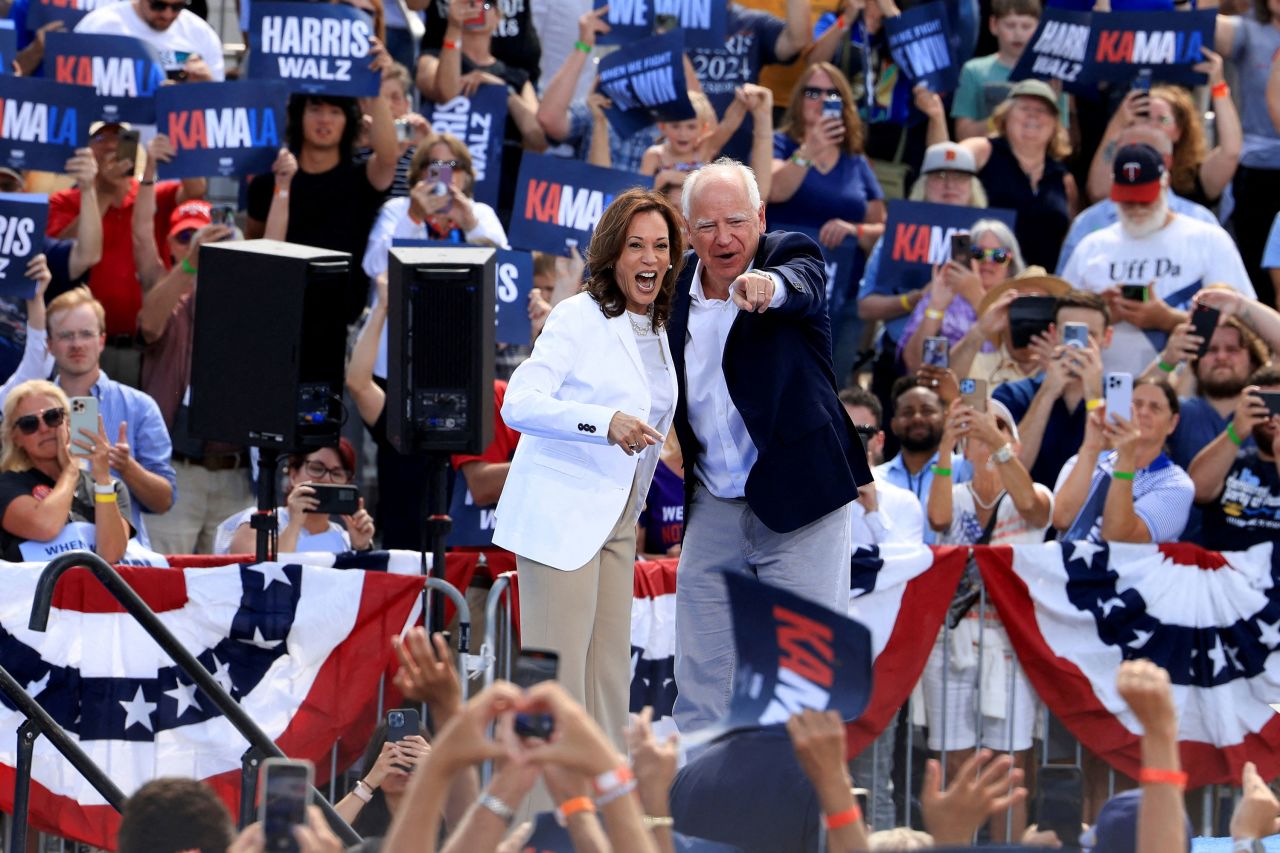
x,y
592,404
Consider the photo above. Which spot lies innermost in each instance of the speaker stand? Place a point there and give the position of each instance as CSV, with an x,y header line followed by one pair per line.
x,y
265,521
435,530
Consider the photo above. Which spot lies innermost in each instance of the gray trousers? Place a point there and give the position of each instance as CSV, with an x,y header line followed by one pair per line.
x,y
725,535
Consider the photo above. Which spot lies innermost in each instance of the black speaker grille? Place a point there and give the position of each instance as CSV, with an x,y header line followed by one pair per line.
x,y
440,352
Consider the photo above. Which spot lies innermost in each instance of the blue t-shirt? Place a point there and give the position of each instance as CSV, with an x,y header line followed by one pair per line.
x,y
1247,512
1063,431
842,193
1198,424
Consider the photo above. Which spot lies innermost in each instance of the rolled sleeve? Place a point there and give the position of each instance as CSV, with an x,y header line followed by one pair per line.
x,y
151,444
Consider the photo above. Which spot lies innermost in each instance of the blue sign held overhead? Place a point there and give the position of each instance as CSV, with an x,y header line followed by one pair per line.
x,y
43,122
22,221
313,48
228,129
478,121
917,235
69,12
1123,43
559,202
645,81
702,22
124,72
8,46
920,43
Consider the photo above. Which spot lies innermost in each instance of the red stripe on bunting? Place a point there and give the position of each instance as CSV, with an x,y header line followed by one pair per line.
x,y
899,666
1069,692
161,589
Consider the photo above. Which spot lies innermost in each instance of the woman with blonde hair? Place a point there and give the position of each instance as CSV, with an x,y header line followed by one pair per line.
x,y
48,505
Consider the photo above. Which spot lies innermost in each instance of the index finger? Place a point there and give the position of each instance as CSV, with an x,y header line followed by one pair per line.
x,y
651,432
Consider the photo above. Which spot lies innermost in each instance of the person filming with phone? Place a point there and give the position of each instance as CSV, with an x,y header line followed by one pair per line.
x,y
48,504
305,523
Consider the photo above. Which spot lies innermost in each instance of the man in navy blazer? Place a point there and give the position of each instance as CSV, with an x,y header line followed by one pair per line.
x,y
771,460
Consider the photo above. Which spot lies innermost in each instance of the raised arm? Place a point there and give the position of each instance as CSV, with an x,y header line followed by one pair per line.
x,y
939,506
1219,166
370,399
1071,494
87,250
1162,819
553,110
795,37
146,256
381,166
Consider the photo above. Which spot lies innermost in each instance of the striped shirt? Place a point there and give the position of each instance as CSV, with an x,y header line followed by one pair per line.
x,y
1162,496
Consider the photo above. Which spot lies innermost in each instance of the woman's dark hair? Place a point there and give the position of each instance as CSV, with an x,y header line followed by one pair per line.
x,y
1262,9
298,105
375,817
1170,395
608,241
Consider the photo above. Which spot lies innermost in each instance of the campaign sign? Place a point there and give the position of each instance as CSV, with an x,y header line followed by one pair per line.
x,y
701,21
1058,50
559,202
227,129
513,278
314,48
42,122
919,42
793,654
1123,43
478,121
125,72
8,46
41,12
645,81
22,221
917,235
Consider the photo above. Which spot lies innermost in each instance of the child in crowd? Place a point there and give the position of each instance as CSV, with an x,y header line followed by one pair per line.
x,y
690,144
984,80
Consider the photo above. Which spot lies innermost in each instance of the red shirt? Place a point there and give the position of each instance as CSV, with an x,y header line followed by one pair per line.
x,y
114,279
503,446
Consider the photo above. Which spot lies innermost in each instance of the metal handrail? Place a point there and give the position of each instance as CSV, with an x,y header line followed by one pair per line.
x,y
146,617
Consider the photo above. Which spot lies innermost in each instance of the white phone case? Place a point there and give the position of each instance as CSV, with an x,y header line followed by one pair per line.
x,y
1117,393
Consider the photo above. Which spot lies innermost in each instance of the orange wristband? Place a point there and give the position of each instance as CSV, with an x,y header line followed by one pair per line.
x,y
850,815
450,45
1156,776
574,806
1221,90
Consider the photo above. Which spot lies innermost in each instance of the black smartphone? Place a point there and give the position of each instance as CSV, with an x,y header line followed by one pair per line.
x,y
1028,317
401,723
286,793
534,666
937,352
1060,801
336,500
962,249
1142,83
1205,320
1272,399
1135,292
127,146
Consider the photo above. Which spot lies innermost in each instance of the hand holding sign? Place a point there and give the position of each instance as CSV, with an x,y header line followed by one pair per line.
x,y
592,23
1211,67
38,271
82,167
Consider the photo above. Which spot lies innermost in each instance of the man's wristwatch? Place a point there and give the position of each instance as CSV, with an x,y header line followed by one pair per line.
x,y
1247,845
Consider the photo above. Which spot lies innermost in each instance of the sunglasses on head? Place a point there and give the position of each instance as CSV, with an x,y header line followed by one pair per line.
x,y
815,93
161,6
30,424
452,164
1000,256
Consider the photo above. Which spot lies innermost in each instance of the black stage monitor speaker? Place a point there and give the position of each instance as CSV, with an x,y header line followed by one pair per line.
x,y
440,349
270,337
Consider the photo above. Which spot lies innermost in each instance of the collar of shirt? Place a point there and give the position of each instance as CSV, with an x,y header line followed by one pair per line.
x,y
699,297
96,389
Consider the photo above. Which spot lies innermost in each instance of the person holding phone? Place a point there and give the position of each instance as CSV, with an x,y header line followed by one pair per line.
x,y
1121,486
593,404
48,504
999,505
375,800
993,258
301,527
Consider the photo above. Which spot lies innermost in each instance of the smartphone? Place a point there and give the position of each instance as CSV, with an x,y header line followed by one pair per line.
x,y
84,415
285,790
665,24
962,249
404,131
477,21
1060,802
1028,317
535,666
1134,292
833,109
335,499
1117,393
1142,83
127,146
401,723
937,352
974,393
1272,399
1205,321
1075,335
440,177
225,214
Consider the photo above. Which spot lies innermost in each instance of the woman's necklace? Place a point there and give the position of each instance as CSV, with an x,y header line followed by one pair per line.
x,y
980,502
641,327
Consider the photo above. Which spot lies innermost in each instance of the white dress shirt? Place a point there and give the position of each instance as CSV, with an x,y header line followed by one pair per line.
x,y
898,518
729,452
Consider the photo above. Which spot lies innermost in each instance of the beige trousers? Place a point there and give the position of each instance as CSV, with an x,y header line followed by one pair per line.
x,y
585,617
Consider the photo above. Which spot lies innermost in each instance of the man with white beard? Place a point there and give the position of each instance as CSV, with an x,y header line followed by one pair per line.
x,y
1170,254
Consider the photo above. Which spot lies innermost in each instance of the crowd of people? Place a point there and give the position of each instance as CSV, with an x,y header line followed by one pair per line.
x,y
697,388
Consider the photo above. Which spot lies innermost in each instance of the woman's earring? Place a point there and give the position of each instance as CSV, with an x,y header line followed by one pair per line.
x,y
671,266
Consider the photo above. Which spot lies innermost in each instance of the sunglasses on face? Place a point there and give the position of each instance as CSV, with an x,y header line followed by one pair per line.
x,y
30,424
999,256
814,93
161,6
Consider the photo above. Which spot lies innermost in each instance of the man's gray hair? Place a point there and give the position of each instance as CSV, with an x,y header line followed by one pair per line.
x,y
725,165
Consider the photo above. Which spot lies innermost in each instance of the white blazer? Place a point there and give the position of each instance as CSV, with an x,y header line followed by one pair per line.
x,y
567,485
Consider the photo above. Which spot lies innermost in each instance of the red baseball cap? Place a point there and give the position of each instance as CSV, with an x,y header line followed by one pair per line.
x,y
190,215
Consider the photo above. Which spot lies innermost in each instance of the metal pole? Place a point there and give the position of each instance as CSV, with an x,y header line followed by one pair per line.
x,y
27,734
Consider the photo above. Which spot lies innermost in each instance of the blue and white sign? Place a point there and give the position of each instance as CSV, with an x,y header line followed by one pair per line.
x,y
920,43
478,121
645,81
316,48
125,72
8,46
559,202
227,129
917,235
41,12
22,221
701,21
42,122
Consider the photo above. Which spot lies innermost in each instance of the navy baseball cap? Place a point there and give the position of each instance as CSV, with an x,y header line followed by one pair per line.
x,y
1137,172
1117,828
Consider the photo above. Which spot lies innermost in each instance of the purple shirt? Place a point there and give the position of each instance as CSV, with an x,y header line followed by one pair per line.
x,y
956,321
663,516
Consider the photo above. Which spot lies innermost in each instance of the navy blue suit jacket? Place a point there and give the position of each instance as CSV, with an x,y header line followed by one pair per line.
x,y
777,366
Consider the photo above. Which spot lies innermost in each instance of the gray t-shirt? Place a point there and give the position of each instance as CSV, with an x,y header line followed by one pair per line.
x,y
1255,44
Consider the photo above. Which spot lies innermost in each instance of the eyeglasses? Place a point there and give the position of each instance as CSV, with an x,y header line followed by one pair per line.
x,y
82,335
161,6
185,235
317,470
30,424
814,93
1000,256
452,164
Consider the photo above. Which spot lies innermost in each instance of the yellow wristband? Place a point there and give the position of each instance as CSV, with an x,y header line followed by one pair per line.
x,y
1095,403
906,302
933,314
105,499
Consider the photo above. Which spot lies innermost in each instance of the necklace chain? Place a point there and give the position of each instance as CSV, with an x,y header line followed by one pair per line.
x,y
980,502
643,327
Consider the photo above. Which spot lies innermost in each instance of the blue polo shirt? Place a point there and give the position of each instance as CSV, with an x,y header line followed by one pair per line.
x,y
1063,432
